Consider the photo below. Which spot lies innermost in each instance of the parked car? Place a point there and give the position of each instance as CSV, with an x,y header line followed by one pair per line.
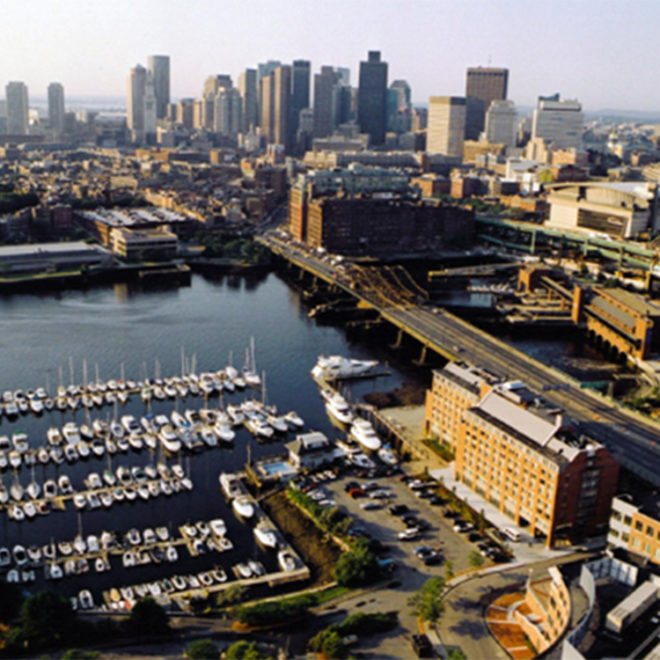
x,y
422,646
462,526
356,492
380,494
370,505
398,509
436,500
371,485
409,534
349,485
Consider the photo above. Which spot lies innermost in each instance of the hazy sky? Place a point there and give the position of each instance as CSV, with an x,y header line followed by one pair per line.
x,y
605,52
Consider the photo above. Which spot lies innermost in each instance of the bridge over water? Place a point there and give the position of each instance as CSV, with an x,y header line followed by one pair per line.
x,y
630,437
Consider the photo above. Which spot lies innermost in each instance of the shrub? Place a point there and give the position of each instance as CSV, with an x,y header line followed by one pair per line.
x,y
357,566
202,649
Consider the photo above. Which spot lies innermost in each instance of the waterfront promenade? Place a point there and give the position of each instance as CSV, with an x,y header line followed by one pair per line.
x,y
630,437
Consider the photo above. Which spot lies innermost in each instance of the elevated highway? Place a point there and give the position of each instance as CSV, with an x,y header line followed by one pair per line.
x,y
631,438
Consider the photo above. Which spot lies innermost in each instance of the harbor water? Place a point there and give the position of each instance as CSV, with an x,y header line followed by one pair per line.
x,y
73,336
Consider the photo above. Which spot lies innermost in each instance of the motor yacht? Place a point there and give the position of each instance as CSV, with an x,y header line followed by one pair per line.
x,y
333,367
363,432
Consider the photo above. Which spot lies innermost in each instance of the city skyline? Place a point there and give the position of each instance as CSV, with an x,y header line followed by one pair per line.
x,y
587,58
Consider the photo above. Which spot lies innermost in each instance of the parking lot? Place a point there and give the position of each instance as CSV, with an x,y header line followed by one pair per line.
x,y
404,518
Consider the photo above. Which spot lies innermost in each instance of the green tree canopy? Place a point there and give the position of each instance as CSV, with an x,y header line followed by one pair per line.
x,y
476,559
148,618
202,649
427,602
245,651
357,566
46,619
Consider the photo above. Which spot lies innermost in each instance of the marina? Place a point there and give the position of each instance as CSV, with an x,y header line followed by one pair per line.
x,y
163,321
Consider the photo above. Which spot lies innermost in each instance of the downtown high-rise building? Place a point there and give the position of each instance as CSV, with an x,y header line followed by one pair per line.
x,y
150,109
18,109
159,67
560,123
282,83
445,131
56,108
211,86
227,118
501,120
326,86
266,110
300,79
247,88
137,81
372,97
482,86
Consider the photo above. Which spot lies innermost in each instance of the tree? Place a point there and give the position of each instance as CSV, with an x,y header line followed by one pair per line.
x,y
148,618
333,646
476,559
46,620
357,566
202,649
427,601
79,654
233,594
449,571
245,651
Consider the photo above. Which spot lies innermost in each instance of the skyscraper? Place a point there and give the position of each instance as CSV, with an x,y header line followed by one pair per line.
x,y
482,85
372,97
137,80
559,122
445,132
282,107
228,112
501,123
299,91
266,109
56,107
211,86
403,94
150,119
265,69
17,108
247,88
326,84
159,67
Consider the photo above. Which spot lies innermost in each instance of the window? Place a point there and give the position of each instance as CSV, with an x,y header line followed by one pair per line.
x,y
627,520
638,525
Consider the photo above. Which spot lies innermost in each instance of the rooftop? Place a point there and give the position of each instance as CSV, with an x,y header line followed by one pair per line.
x,y
639,304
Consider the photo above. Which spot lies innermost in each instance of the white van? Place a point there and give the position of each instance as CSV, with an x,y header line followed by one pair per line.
x,y
511,533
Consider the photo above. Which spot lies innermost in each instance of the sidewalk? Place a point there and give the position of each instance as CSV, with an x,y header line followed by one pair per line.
x,y
528,548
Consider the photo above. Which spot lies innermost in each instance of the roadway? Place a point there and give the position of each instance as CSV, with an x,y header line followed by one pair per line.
x,y
630,438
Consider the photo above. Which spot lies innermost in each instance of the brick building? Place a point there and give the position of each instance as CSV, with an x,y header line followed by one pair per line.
x,y
522,454
376,226
635,525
